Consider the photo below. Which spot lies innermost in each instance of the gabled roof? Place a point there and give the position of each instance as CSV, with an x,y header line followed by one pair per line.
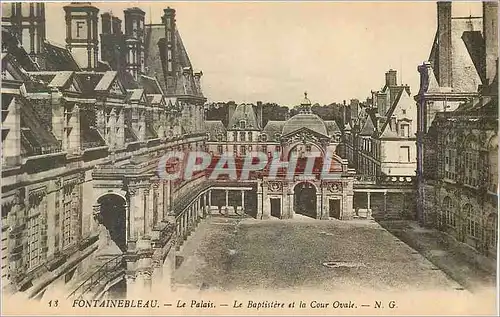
x,y
106,80
244,112
368,127
393,107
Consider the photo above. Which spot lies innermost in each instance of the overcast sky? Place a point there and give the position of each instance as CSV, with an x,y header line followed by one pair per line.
x,y
273,52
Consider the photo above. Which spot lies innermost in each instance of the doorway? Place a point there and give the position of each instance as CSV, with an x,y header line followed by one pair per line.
x,y
276,207
334,208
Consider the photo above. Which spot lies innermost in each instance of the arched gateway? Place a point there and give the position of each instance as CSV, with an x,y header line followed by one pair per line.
x,y
305,201
113,216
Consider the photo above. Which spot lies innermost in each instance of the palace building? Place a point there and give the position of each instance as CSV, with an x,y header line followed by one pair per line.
x,y
83,127
304,134
457,136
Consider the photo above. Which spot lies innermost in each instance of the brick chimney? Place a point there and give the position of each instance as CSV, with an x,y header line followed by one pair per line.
x,y
444,58
490,32
391,78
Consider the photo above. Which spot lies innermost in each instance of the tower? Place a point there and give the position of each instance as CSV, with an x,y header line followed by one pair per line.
x,y
81,33
27,22
134,33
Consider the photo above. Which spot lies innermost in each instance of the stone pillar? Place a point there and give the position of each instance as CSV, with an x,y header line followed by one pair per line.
x,y
259,200
209,202
385,203
319,206
266,204
227,203
132,212
368,196
242,201
146,213
132,291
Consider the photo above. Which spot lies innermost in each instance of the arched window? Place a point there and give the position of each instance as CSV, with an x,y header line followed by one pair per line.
x,y
471,162
492,231
472,225
448,212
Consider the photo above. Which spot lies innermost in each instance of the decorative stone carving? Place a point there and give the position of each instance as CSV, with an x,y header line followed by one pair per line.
x,y
275,186
334,187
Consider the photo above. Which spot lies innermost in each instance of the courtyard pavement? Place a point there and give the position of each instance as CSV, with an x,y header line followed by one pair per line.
x,y
230,254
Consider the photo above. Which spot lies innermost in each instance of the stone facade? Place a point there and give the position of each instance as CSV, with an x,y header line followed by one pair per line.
x,y
80,150
457,139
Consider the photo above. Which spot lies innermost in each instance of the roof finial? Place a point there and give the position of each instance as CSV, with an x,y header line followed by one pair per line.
x,y
305,94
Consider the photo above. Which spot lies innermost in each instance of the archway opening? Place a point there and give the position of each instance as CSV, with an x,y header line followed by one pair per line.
x,y
304,202
113,217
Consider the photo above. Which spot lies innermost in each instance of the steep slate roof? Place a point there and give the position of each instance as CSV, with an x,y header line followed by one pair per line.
x,y
155,60
214,128
150,85
154,32
58,57
273,128
466,46
331,127
243,112
13,47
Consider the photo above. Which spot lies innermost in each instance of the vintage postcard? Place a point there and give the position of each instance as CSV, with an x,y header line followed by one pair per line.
x,y
249,158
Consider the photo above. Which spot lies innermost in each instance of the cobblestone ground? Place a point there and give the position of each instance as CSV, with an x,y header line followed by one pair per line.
x,y
472,270
242,254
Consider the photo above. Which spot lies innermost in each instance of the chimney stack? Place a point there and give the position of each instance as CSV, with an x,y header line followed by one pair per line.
x,y
490,32
106,23
444,60
391,78
117,25
169,44
259,114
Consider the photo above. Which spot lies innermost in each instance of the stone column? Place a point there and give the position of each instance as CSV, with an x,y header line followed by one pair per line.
x,y
266,205
227,203
319,206
259,200
209,202
368,196
147,212
132,292
159,191
132,212
242,201
385,203
186,223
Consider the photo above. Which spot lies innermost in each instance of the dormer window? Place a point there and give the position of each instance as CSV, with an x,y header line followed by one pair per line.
x,y
263,137
404,111
243,124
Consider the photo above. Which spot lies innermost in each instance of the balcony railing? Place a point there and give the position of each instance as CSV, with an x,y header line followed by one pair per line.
x,y
112,266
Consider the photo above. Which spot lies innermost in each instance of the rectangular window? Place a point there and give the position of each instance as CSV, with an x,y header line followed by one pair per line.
x,y
243,150
250,137
308,148
242,136
404,154
220,149
405,130
33,241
